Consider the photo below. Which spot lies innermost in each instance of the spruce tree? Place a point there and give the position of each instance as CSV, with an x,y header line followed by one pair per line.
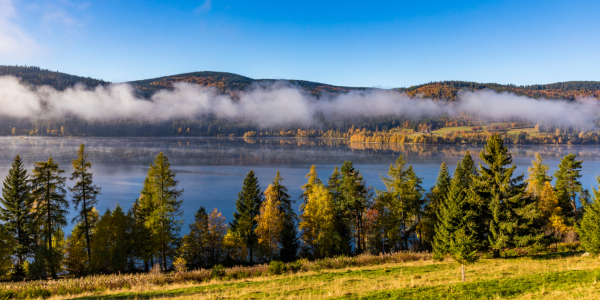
x,y
589,227
355,197
451,218
440,190
341,222
247,207
84,194
568,187
51,203
164,218
514,219
17,213
463,247
289,242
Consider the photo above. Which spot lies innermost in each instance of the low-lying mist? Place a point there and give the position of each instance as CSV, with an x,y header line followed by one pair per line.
x,y
277,103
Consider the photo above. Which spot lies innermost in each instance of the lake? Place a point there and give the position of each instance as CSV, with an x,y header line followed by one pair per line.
x,y
211,170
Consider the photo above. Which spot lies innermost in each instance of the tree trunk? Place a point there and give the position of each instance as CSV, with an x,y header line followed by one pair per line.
x,y
496,253
463,272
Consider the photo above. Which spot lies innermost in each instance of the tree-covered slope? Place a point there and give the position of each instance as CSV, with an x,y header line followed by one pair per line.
x,y
37,76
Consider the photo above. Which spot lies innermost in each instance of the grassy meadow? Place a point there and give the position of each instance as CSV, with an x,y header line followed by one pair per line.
x,y
551,276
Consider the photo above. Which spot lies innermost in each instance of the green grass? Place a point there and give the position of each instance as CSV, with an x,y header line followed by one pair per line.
x,y
554,276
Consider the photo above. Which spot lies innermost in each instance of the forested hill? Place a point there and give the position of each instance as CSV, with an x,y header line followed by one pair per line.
x,y
37,76
228,82
448,90
233,83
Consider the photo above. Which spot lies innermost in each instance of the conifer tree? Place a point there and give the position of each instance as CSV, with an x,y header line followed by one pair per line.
x,y
247,207
164,218
440,190
7,249
17,213
463,247
317,221
194,248
51,206
538,176
84,194
341,222
288,242
568,187
269,223
355,198
113,242
217,228
312,181
514,216
465,171
400,205
452,217
589,227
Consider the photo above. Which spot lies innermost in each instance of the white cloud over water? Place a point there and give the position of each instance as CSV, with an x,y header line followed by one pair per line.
x,y
275,104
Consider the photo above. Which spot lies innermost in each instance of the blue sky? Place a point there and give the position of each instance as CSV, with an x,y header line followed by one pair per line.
x,y
352,43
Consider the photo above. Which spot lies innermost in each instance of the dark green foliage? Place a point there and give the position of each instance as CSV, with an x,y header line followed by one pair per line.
x,y
50,196
289,242
354,200
17,213
247,208
568,187
277,268
194,244
589,227
342,224
84,193
113,242
452,217
514,219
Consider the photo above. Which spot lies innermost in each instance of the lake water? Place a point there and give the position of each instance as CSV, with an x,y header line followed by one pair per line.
x,y
211,170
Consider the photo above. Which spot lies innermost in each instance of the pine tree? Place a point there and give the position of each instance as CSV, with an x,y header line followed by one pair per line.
x,y
84,194
400,206
247,207
341,221
463,247
164,219
51,205
440,189
269,223
568,187
514,216
17,213
452,217
113,242
317,221
288,242
589,227
194,248
355,198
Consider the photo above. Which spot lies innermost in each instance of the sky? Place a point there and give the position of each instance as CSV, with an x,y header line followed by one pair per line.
x,y
350,43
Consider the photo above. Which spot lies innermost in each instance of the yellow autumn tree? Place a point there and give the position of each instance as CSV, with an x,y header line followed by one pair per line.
x,y
538,176
317,221
550,209
269,223
313,180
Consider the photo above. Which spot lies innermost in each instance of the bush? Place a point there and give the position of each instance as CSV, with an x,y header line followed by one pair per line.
x,y
295,266
277,267
217,271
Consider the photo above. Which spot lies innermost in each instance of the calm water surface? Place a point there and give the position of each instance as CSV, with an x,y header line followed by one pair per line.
x,y
211,170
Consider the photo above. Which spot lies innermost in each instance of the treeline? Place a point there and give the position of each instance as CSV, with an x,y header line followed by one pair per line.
x,y
477,136
37,77
474,210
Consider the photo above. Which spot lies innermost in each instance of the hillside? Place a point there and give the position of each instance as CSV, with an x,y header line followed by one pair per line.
x,y
229,83
448,90
37,76
233,83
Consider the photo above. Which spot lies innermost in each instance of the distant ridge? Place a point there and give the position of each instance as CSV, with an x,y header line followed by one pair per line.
x,y
233,83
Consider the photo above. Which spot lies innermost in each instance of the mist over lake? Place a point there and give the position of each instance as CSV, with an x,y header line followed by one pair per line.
x,y
211,170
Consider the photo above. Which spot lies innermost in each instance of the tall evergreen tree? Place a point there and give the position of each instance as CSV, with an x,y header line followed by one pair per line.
x,y
568,187
51,204
194,246
247,207
514,216
440,190
288,242
341,222
355,198
17,213
589,227
84,194
452,217
164,219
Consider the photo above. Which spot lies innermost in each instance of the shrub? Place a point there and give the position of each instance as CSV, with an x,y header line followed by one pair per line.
x,y
217,271
277,267
295,266
179,264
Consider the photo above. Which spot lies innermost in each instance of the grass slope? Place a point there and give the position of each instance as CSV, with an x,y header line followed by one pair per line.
x,y
535,277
